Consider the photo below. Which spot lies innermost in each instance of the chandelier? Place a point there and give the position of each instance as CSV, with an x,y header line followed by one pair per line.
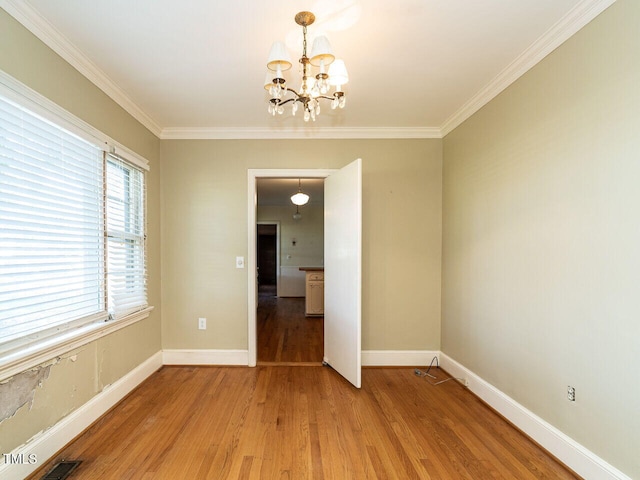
x,y
331,72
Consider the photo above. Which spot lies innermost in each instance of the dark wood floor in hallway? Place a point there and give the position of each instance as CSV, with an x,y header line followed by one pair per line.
x,y
284,422
285,335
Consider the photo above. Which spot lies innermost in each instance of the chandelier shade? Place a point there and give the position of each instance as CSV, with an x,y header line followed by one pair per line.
x,y
279,57
268,81
321,52
313,87
338,73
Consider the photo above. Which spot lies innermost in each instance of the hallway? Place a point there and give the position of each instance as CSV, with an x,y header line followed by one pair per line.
x,y
285,335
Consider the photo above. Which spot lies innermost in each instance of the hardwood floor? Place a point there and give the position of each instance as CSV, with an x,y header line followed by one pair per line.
x,y
280,421
285,335
273,422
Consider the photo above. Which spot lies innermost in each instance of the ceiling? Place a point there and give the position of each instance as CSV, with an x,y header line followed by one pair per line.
x,y
277,191
196,69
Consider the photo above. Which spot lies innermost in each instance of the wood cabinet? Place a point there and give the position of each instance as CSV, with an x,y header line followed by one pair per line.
x,y
314,293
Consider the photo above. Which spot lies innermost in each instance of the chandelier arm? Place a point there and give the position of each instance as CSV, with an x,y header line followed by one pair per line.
x,y
293,91
284,102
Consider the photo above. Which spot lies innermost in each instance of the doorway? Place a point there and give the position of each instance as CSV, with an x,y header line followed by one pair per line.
x,y
252,262
343,264
267,252
287,333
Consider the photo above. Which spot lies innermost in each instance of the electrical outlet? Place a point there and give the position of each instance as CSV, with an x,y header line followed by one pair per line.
x,y
202,323
571,393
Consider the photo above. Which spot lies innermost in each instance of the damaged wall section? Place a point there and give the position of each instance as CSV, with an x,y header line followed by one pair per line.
x,y
19,390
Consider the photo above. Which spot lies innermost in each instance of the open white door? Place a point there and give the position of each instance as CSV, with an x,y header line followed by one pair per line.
x,y
343,271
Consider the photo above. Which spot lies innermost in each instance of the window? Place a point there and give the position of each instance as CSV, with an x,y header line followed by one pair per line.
x,y
72,231
126,278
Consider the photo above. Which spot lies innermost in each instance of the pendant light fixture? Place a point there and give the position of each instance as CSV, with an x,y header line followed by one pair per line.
x,y
331,72
299,198
297,216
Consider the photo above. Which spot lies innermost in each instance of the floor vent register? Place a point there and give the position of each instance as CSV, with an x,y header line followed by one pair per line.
x,y
62,470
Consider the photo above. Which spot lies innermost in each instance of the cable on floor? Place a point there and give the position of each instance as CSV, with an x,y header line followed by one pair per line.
x,y
426,373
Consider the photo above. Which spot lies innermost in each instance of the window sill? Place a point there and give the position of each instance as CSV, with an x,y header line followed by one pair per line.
x,y
27,357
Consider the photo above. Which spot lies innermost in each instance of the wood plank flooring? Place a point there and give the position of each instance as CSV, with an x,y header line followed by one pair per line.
x,y
285,335
280,421
273,422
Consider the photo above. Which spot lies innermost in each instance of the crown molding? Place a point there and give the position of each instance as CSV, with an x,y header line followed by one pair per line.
x,y
47,33
565,28
179,133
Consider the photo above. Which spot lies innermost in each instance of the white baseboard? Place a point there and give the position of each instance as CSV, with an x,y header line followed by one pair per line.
x,y
397,358
205,357
370,358
47,443
578,458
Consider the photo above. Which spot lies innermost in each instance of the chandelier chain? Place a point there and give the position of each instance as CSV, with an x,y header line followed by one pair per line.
x,y
304,41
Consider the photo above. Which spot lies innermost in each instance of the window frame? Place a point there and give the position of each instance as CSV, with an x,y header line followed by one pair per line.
x,y
25,355
132,235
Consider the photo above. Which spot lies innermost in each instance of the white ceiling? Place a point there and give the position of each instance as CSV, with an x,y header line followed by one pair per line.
x,y
196,68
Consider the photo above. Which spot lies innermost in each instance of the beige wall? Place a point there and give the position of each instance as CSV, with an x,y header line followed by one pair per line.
x,y
204,227
541,236
81,374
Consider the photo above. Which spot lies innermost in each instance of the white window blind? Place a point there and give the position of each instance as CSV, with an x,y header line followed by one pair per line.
x,y
125,232
51,227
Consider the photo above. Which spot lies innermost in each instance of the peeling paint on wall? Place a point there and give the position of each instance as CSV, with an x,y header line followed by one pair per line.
x,y
20,390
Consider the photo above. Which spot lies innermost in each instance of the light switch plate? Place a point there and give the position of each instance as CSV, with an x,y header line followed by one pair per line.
x,y
239,262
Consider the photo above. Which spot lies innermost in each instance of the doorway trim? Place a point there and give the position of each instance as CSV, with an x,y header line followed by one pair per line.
x,y
252,201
